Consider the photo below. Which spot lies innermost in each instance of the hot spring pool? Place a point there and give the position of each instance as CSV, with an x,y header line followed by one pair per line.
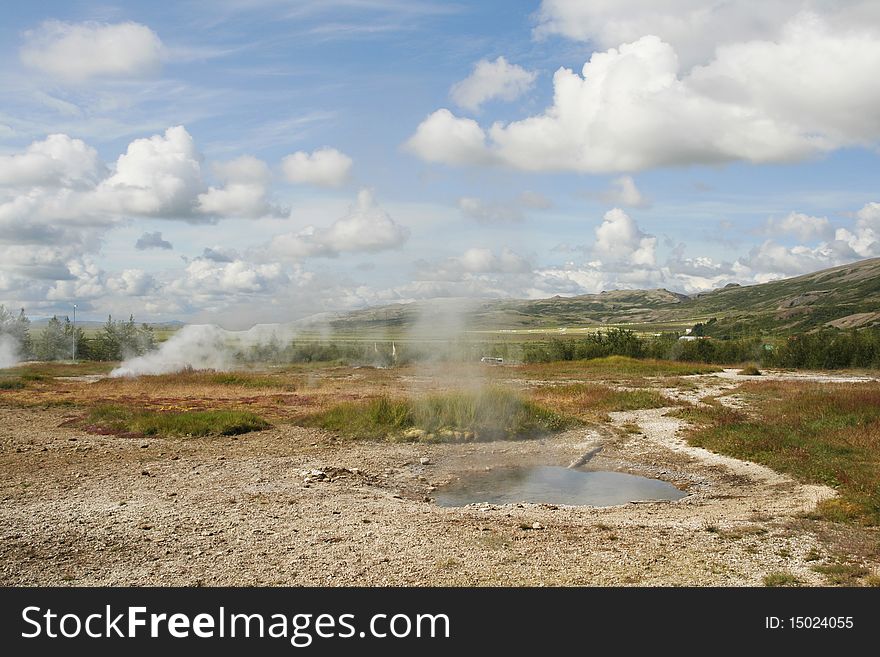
x,y
553,485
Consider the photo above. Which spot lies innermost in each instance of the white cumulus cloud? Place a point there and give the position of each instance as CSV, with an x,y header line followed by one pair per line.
x,y
57,160
864,238
246,182
366,228
693,27
159,176
623,191
620,240
75,52
448,139
208,278
474,264
325,167
132,283
807,91
802,226
490,80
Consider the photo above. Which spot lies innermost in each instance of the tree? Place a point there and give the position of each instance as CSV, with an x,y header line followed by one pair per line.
x,y
119,340
17,327
52,344
84,349
107,342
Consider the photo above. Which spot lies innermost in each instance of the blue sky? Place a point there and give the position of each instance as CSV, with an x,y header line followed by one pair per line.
x,y
263,160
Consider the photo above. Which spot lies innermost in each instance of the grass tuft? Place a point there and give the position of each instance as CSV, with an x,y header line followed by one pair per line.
x,y
11,384
842,574
119,419
781,578
494,413
750,370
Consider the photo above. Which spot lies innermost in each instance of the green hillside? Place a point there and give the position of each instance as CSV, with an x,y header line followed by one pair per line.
x,y
847,296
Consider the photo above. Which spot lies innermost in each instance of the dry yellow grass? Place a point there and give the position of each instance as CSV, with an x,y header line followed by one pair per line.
x,y
592,401
291,392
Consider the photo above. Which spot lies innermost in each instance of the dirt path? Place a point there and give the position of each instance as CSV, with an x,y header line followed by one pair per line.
x,y
295,506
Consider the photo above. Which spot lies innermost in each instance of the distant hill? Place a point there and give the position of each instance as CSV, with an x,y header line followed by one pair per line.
x,y
171,325
847,296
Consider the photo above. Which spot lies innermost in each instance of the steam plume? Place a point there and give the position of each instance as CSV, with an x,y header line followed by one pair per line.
x,y
202,346
8,351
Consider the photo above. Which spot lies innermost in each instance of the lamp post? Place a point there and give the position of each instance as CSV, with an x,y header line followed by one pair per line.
x,y
74,333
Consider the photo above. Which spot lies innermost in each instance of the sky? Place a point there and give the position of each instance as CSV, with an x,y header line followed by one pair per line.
x,y
252,161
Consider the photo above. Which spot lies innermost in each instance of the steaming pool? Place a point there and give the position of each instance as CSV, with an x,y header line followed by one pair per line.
x,y
553,485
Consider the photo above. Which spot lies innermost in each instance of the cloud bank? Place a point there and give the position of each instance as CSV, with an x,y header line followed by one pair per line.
x,y
806,92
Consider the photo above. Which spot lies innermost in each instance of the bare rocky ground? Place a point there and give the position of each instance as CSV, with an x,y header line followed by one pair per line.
x,y
83,509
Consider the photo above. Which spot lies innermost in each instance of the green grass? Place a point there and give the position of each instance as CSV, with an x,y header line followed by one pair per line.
x,y
618,367
245,380
211,377
741,532
493,413
120,419
11,384
44,370
819,433
781,578
842,574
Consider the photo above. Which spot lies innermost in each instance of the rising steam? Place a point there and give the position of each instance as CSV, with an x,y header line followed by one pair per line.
x,y
8,351
202,347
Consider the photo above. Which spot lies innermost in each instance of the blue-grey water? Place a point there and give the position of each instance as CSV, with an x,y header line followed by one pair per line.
x,y
553,485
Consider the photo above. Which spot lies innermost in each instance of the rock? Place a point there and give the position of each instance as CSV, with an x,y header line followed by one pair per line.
x,y
537,525
425,460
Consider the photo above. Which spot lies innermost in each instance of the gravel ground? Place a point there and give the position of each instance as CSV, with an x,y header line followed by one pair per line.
x,y
82,509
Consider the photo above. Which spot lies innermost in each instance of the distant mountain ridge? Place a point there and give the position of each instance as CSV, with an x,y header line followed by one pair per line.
x,y
846,296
